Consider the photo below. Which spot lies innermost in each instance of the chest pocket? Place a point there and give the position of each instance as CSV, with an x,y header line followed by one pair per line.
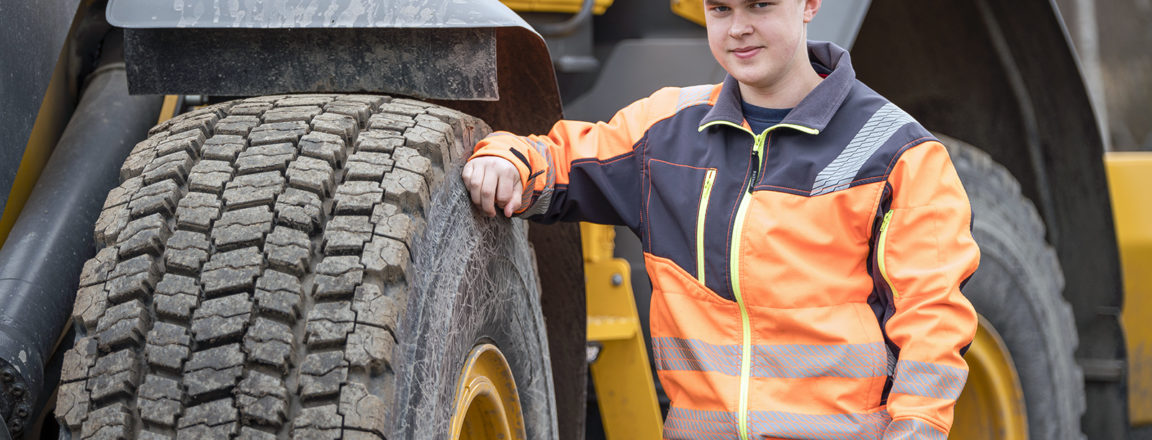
x,y
675,212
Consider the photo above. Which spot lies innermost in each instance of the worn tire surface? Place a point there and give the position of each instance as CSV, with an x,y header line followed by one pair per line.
x,y
298,267
1018,289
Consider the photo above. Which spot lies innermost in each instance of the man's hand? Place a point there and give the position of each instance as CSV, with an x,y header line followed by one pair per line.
x,y
494,183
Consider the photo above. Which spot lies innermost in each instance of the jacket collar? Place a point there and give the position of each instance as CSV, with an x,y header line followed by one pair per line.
x,y
815,110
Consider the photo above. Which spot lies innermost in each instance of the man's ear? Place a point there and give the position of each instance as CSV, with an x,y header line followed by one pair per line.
x,y
810,8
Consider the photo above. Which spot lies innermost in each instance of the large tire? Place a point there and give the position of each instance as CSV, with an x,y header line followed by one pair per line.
x,y
1018,290
299,267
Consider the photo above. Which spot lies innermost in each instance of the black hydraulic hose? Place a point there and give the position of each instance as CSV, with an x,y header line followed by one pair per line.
x,y
570,25
40,262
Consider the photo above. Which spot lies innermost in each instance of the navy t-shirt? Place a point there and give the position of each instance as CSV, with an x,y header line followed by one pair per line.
x,y
760,118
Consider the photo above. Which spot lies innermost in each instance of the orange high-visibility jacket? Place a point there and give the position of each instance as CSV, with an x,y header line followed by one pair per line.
x,y
806,279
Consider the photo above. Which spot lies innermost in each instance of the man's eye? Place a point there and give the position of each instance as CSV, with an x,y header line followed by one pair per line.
x,y
761,4
719,9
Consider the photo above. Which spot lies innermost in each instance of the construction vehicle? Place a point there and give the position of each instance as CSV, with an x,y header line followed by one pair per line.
x,y
282,246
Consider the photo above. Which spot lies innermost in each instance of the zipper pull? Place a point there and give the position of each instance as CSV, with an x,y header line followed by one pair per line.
x,y
755,170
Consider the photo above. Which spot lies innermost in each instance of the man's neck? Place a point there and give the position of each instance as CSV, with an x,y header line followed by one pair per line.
x,y
784,94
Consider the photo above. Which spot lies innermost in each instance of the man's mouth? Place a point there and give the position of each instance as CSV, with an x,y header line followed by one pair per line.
x,y
746,52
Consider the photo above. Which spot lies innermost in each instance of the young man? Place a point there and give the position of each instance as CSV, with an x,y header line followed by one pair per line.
x,y
806,239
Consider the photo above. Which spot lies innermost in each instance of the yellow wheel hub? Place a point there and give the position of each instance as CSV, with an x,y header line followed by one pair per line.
x,y
992,404
487,404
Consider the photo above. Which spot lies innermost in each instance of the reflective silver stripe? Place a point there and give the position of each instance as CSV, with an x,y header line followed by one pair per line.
x,y
676,354
929,380
776,424
695,95
879,128
781,361
911,429
685,424
545,199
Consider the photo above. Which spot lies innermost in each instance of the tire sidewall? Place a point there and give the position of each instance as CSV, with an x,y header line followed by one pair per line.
x,y
474,282
1018,291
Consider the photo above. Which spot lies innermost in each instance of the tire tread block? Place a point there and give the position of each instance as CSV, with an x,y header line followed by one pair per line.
x,y
263,158
210,175
278,295
289,249
160,401
231,271
329,324
311,174
269,343
143,236
160,197
173,167
213,370
114,375
322,374
110,422
223,147
262,399
176,297
242,227
123,325
278,132
253,189
221,319
337,277
168,346
186,252
299,209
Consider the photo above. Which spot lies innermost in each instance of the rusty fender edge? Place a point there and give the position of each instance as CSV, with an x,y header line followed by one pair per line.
x,y
477,56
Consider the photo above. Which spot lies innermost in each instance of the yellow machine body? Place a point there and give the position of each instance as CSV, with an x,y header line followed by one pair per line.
x,y
620,372
1129,181
562,6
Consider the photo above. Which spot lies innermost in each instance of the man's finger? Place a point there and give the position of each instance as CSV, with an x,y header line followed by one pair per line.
x,y
505,190
488,193
514,205
466,173
473,183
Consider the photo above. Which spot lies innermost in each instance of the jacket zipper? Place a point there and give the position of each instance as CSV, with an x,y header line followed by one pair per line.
x,y
880,253
734,258
706,192
734,269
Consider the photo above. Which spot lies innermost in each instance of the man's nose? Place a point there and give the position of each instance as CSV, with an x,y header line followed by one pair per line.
x,y
740,27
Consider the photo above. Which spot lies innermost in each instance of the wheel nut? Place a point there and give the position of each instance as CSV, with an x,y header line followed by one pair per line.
x,y
6,376
17,391
22,413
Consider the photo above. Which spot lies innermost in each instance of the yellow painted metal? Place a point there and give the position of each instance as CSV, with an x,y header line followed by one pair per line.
x,y
612,328
487,405
692,10
992,404
51,119
168,109
621,375
1129,180
564,6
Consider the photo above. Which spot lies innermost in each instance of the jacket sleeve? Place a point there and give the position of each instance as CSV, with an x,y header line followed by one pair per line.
x,y
579,170
924,253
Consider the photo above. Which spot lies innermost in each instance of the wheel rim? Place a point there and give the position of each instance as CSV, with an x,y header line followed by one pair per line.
x,y
992,404
487,405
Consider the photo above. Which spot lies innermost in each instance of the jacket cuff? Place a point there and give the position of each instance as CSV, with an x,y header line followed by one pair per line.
x,y
509,155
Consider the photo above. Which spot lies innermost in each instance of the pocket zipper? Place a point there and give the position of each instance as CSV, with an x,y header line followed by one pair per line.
x,y
880,252
706,192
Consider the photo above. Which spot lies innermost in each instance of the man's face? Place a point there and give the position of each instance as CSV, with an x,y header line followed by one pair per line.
x,y
759,42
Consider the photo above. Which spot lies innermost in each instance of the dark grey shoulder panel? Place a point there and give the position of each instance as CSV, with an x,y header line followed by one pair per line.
x,y
140,14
